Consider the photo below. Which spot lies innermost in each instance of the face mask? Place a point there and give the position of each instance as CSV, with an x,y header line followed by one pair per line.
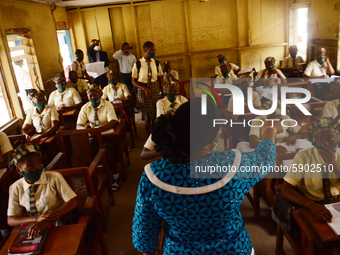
x,y
95,102
61,87
245,91
113,81
166,69
32,176
172,97
96,48
80,58
225,73
126,51
74,81
320,60
293,55
271,69
151,55
40,106
222,60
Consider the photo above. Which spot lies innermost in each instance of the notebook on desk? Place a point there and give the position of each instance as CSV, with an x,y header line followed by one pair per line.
x,y
24,245
335,210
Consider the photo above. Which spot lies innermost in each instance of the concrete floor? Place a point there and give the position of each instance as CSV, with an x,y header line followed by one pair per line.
x,y
119,238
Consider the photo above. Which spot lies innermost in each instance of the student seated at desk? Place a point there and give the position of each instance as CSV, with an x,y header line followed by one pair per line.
x,y
99,113
64,98
332,108
170,103
286,134
42,119
226,76
290,63
5,150
78,84
321,67
312,190
116,90
38,197
269,72
222,59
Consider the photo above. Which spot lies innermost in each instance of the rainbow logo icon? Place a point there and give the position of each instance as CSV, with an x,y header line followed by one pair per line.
x,y
209,93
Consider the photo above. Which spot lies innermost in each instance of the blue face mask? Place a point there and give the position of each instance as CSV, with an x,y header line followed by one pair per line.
x,y
172,97
113,81
95,102
166,69
32,176
40,106
320,60
80,58
151,55
61,87
222,60
74,81
271,69
225,73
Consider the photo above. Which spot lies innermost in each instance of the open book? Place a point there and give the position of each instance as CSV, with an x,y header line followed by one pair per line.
x,y
300,144
24,245
335,210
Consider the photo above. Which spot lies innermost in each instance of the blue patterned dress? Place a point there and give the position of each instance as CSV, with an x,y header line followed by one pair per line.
x,y
208,223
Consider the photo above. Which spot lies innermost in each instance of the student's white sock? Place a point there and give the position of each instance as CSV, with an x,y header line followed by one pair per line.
x,y
115,176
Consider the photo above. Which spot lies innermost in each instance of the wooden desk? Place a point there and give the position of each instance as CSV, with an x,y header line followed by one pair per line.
x,y
66,240
308,238
70,112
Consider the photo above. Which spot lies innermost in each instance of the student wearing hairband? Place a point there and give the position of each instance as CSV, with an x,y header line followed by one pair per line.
x,y
64,98
313,189
115,90
222,60
332,108
321,67
38,197
41,119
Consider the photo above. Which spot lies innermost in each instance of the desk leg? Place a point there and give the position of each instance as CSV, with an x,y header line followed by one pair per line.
x,y
279,241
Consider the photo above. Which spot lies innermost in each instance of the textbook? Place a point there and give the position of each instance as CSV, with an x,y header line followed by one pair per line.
x,y
300,144
23,245
335,210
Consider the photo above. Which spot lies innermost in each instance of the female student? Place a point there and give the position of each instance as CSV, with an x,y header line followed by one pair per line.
x,y
145,73
201,215
38,197
312,190
64,98
99,113
77,83
226,75
42,119
116,90
169,103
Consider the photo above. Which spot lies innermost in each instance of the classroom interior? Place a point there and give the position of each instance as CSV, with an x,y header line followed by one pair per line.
x,y
42,35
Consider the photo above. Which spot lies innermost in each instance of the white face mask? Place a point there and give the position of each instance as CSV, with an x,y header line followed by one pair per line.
x,y
96,48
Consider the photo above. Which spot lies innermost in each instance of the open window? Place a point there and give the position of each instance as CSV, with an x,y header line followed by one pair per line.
x,y
298,29
24,63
